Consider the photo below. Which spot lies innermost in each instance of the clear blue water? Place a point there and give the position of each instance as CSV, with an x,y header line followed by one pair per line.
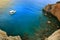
x,y
28,15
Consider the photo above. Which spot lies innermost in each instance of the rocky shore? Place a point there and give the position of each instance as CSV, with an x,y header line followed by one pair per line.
x,y
4,36
53,9
54,36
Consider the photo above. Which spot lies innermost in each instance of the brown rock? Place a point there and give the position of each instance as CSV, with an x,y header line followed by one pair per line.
x,y
3,36
54,9
54,36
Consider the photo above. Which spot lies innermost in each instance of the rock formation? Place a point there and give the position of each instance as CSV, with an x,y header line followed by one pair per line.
x,y
4,36
54,36
54,9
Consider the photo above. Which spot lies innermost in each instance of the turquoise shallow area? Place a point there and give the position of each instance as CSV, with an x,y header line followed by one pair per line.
x,y
28,16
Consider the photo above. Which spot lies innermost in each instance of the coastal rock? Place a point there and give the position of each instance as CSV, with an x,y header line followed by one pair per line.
x,y
54,36
4,36
54,9
2,33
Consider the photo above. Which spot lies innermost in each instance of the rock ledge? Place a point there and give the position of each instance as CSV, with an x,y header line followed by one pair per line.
x,y
4,36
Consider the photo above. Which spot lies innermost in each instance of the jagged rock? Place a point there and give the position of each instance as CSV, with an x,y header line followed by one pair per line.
x,y
4,36
54,9
54,36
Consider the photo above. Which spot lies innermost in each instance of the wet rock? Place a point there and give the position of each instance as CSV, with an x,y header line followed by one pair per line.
x,y
4,36
45,14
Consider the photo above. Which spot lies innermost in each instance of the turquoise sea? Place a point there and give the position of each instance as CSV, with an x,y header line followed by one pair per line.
x,y
28,16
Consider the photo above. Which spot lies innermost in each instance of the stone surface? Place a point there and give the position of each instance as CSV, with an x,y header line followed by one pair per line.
x,y
54,9
54,36
4,36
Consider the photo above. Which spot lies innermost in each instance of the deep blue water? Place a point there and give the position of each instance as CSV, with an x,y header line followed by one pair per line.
x,y
27,16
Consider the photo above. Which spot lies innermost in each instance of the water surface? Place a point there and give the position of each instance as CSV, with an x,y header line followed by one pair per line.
x,y
28,16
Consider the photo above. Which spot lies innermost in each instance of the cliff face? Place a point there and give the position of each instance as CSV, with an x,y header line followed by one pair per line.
x,y
54,36
3,36
54,9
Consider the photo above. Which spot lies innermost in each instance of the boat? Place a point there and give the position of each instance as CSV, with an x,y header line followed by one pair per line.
x,y
12,12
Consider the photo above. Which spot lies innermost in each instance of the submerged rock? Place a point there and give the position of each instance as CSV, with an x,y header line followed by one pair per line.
x,y
54,36
53,9
4,36
49,22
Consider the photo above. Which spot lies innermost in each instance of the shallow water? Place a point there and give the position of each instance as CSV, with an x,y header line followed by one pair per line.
x,y
28,17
